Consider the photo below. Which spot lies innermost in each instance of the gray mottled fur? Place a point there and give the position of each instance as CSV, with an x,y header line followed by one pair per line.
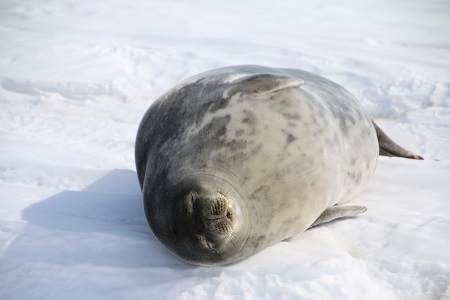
x,y
282,145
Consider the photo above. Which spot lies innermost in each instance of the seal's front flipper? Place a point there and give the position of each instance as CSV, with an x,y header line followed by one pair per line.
x,y
336,212
389,148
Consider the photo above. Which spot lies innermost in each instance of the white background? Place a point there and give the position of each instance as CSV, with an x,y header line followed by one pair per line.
x,y
77,76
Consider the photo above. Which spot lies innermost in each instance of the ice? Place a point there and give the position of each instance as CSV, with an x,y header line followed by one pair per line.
x,y
76,78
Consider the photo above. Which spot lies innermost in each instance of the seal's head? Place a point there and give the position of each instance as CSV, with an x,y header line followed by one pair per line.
x,y
203,221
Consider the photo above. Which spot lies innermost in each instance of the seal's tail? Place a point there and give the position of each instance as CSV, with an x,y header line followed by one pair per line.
x,y
389,148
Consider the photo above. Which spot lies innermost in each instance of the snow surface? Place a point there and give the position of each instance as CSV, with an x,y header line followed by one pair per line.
x,y
77,76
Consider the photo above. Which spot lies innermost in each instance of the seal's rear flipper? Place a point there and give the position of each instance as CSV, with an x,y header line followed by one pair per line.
x,y
336,212
389,148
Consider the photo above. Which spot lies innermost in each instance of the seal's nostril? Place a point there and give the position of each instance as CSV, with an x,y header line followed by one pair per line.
x,y
230,215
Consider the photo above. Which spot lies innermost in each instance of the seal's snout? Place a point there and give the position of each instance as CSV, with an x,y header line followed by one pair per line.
x,y
216,215
210,223
202,221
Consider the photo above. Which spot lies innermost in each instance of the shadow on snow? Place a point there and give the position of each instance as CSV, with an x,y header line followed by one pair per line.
x,y
104,224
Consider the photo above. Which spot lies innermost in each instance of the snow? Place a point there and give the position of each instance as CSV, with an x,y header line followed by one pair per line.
x,y
77,76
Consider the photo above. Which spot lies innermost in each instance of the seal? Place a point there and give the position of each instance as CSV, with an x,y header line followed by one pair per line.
x,y
237,159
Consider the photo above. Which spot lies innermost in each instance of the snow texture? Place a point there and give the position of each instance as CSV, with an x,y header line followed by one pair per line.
x,y
77,76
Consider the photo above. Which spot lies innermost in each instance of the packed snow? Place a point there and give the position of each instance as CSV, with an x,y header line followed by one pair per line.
x,y
76,78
